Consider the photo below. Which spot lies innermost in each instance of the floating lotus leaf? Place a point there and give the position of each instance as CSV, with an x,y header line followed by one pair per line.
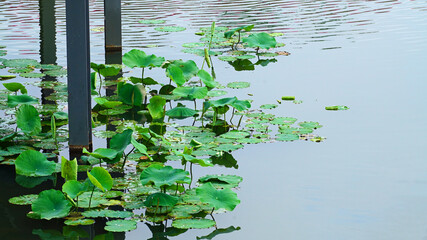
x,y
184,211
333,108
97,200
32,163
51,204
180,112
268,54
287,137
107,154
218,199
3,52
170,29
5,77
313,125
120,226
163,176
24,199
268,106
260,40
235,134
205,152
155,107
283,120
107,213
32,75
160,200
56,73
245,57
193,223
100,178
138,58
50,67
113,194
21,63
288,98
20,70
238,85
227,58
191,92
216,93
228,147
14,87
15,100
152,21
78,222
194,45
219,231
103,134
112,112
249,140
232,180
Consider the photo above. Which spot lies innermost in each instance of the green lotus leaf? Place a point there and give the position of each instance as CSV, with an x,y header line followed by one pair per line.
x,y
200,161
228,147
333,108
74,188
138,58
120,141
184,211
5,77
14,87
217,198
21,63
235,134
249,140
32,163
110,70
216,93
120,226
268,106
107,213
194,45
112,112
188,68
96,200
20,70
180,112
100,177
193,223
163,176
207,79
160,200
204,152
28,120
50,67
170,29
313,125
32,75
51,204
227,58
24,199
131,94
56,73
152,21
113,194
241,105
60,115
191,92
283,120
260,40
78,222
15,100
287,137
219,231
175,74
140,147
68,169
230,33
155,107
107,154
105,103
288,98
238,85
222,102
233,180
30,182
3,52
245,57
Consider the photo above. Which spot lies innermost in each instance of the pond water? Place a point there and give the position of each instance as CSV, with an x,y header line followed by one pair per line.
x,y
367,180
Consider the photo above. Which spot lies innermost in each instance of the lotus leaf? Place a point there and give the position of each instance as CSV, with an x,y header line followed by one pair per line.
x,y
193,223
218,199
175,74
249,140
216,93
120,226
163,176
260,40
313,125
200,161
207,79
32,75
56,73
20,70
15,100
107,213
191,92
97,200
5,77
155,107
283,120
20,63
160,200
100,178
50,67
32,163
180,112
131,94
189,68
113,194
51,204
120,141
228,147
73,188
78,222
69,169
138,58
233,180
152,21
170,29
184,211
194,45
238,85
230,33
245,56
288,98
24,199
268,106
333,108
287,137
14,87
227,58
107,154
141,147
105,103
235,134
241,105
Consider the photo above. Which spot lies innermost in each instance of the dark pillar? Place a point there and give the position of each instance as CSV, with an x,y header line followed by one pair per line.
x,y
78,62
113,25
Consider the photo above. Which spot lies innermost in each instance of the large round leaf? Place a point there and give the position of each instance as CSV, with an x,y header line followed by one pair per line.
x,y
14,100
28,120
218,199
180,112
191,92
51,204
161,200
189,68
120,141
100,177
73,188
193,223
34,164
163,176
138,58
260,40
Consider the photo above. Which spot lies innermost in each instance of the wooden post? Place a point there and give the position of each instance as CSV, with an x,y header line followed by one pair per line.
x,y
113,25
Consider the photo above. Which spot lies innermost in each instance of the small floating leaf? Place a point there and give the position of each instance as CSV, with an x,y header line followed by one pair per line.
x,y
163,176
193,223
260,40
5,77
268,106
216,93
20,70
78,222
56,73
21,63
235,134
313,125
336,108
24,199
238,85
287,137
32,75
227,58
120,225
170,29
288,98
152,21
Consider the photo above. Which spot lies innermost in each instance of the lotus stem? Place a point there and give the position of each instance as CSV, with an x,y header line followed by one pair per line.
x,y
142,76
232,116
240,121
100,84
213,217
91,194
191,175
125,158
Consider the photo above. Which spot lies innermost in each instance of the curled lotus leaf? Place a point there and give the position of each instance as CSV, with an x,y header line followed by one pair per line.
x,y
336,108
51,204
101,178
163,176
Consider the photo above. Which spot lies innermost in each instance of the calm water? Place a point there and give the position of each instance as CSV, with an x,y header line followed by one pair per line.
x,y
368,180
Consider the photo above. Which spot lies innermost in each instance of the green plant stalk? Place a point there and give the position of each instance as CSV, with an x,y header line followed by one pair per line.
x,y
53,129
100,84
191,175
232,116
125,158
240,121
91,195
